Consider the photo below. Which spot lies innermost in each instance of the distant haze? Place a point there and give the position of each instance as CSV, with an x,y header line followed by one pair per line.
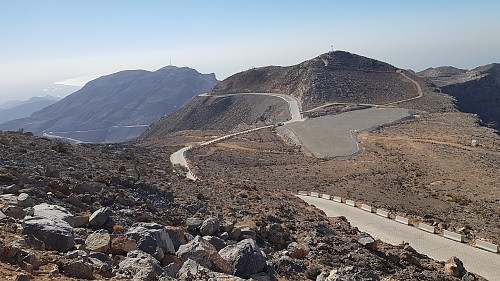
x,y
69,42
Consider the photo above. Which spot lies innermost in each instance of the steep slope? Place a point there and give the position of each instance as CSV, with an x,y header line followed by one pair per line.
x,y
476,91
117,107
332,77
26,108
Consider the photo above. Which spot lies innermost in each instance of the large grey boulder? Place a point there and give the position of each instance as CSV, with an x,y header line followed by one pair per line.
x,y
99,241
52,225
54,212
204,253
100,217
139,266
209,226
245,256
152,238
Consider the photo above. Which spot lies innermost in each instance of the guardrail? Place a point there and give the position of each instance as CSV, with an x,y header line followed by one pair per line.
x,y
487,246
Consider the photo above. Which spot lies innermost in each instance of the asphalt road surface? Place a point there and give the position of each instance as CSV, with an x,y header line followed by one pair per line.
x,y
335,135
475,260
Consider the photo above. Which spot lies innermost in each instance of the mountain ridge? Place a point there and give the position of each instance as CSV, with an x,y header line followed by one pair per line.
x,y
126,98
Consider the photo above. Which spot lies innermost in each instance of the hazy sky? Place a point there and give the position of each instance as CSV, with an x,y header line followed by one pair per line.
x,y
48,41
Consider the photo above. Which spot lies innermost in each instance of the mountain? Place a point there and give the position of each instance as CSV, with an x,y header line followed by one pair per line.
x,y
332,77
476,90
116,107
24,108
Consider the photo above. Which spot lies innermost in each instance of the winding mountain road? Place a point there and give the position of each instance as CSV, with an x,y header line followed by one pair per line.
x,y
475,260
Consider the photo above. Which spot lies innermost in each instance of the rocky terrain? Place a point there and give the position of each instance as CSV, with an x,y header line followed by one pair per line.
x,y
476,91
116,107
120,212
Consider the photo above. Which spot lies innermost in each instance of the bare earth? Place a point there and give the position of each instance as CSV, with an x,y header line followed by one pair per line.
x,y
424,168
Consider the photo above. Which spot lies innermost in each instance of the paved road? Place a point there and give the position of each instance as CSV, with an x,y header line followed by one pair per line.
x,y
334,135
294,106
475,260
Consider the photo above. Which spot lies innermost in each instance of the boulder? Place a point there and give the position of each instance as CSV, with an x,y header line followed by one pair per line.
x,y
226,226
368,242
99,241
9,189
193,223
52,225
297,251
172,269
152,238
218,243
99,217
455,267
121,245
81,221
177,236
13,211
286,265
78,269
54,212
139,266
209,226
275,235
245,256
191,270
24,200
204,253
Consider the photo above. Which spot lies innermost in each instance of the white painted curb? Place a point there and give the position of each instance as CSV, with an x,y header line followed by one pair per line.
x,y
366,208
326,196
382,213
314,194
486,246
337,199
426,227
453,236
402,220
350,203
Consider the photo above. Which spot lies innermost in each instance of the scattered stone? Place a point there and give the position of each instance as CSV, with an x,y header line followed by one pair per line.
x,y
226,226
191,270
297,251
99,241
245,256
193,223
24,200
81,221
9,189
275,234
286,265
100,258
209,226
223,235
455,267
368,242
171,269
13,211
139,266
248,233
78,269
8,199
99,217
22,277
177,236
121,245
235,233
204,253
218,243
152,238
